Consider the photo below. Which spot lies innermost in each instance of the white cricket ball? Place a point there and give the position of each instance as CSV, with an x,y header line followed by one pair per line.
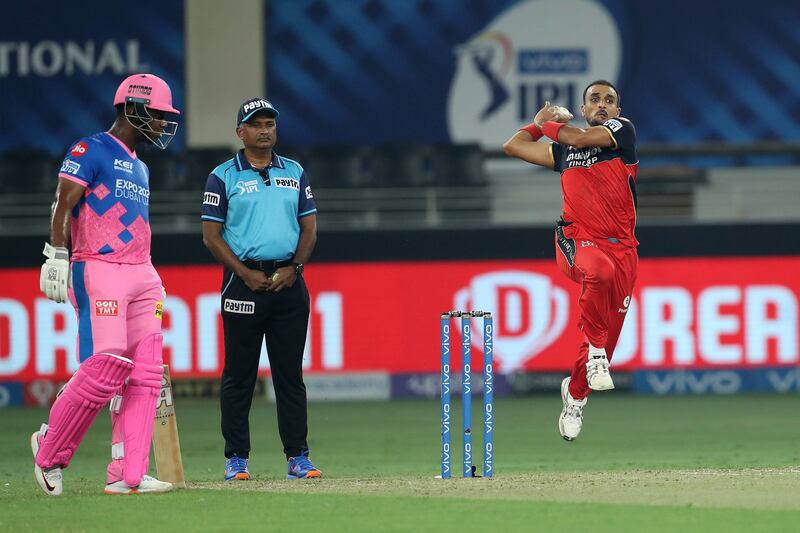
x,y
562,113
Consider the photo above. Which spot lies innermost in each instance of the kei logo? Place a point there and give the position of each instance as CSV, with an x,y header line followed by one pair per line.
x,y
125,166
530,312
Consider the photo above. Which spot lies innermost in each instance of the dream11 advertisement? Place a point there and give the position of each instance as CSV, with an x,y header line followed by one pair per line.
x,y
692,314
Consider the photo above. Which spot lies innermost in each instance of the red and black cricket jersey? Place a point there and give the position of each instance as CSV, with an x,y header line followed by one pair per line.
x,y
599,185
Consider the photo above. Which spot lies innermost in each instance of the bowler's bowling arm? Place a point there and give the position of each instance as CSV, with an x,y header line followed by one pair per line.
x,y
599,136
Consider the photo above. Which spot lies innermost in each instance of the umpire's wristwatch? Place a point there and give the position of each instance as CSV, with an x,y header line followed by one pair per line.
x,y
298,269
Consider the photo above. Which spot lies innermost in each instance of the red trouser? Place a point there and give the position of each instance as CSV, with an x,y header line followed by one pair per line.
x,y
607,274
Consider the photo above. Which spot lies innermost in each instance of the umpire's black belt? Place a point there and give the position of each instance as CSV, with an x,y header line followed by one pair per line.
x,y
268,265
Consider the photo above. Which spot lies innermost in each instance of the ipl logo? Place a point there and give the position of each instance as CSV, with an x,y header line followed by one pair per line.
x,y
524,57
491,56
530,312
247,187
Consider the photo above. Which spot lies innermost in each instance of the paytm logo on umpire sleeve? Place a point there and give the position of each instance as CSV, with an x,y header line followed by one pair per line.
x,y
211,198
239,306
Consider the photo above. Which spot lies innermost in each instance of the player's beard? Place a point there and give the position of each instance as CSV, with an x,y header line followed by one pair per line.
x,y
598,120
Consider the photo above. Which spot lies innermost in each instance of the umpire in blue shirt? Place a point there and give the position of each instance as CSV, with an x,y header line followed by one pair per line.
x,y
259,221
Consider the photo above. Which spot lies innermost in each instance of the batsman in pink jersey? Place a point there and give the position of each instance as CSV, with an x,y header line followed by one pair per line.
x,y
102,202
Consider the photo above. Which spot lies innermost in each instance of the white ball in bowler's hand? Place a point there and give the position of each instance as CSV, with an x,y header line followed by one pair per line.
x,y
562,113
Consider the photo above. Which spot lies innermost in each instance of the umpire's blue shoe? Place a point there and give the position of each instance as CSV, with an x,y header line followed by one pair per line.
x,y
236,468
301,468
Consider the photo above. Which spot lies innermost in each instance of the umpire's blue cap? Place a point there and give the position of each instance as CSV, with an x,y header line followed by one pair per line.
x,y
251,106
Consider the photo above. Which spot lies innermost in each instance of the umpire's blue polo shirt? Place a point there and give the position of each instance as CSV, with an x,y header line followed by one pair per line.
x,y
259,210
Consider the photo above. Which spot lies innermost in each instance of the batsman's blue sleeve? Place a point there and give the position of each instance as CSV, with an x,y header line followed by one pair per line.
x,y
80,163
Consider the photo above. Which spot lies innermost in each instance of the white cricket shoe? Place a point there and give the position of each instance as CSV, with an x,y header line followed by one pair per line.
x,y
571,419
147,485
597,374
49,479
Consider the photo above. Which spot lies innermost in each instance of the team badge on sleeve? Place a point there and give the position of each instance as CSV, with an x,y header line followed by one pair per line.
x,y
309,195
70,167
613,124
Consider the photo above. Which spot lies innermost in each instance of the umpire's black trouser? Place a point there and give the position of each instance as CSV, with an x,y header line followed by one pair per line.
x,y
247,317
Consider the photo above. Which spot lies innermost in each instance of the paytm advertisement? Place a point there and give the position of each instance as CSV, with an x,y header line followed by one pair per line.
x,y
691,314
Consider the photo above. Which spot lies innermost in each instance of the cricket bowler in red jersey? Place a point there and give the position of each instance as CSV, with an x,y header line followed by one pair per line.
x,y
595,241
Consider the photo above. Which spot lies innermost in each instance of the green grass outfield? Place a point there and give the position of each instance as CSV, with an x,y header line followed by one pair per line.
x,y
641,464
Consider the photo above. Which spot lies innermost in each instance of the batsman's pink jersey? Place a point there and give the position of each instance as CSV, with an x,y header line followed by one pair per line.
x,y
111,221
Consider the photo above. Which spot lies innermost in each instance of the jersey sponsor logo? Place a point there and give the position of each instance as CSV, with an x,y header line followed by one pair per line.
x,y
309,194
79,149
211,198
613,124
106,308
131,191
246,187
70,167
240,307
582,158
625,304
287,182
159,310
125,166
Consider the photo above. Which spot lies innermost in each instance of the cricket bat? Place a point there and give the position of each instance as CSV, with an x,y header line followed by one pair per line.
x,y
166,444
